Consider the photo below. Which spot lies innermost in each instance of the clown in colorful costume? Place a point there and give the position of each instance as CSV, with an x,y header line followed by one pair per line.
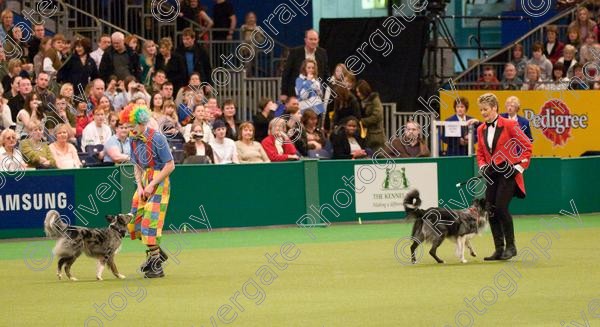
x,y
154,163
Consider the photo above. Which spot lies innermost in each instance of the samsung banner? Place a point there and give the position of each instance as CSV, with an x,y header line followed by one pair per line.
x,y
380,190
24,203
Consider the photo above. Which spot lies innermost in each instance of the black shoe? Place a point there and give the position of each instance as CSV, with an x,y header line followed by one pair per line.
x,y
510,252
154,268
146,265
154,274
497,255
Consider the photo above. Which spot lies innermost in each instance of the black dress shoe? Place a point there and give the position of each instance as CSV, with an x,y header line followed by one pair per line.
x,y
497,255
509,253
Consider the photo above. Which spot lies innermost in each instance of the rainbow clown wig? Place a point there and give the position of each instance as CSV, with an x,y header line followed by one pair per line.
x,y
134,114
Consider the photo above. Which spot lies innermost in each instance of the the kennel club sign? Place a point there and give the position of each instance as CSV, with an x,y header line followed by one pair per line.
x,y
380,189
24,202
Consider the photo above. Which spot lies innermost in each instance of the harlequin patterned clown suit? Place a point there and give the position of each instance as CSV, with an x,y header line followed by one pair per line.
x,y
153,162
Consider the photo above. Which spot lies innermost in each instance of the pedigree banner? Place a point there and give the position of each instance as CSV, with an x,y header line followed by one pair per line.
x,y
563,123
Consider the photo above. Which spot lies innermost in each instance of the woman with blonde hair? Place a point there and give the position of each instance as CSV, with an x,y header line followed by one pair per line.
x,y
534,80
147,62
584,25
11,158
171,63
64,152
169,122
249,151
35,151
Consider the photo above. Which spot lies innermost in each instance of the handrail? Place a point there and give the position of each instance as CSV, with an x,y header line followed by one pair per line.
x,y
519,40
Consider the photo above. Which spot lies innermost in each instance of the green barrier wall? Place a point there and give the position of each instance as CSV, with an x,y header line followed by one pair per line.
x,y
280,194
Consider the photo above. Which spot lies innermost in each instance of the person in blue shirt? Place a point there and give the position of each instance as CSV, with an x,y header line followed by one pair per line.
x,y
458,146
117,148
153,163
512,106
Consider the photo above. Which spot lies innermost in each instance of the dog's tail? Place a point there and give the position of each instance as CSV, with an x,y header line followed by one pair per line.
x,y
53,225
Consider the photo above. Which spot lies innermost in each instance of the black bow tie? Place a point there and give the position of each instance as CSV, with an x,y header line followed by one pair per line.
x,y
492,123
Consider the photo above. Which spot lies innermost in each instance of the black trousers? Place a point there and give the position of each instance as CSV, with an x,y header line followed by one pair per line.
x,y
498,195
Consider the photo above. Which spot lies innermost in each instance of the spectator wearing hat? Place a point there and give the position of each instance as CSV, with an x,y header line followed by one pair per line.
x,y
224,149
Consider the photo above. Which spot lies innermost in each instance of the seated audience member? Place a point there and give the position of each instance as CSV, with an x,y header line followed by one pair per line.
x,y
278,145
510,82
11,158
343,105
113,119
60,114
346,140
519,59
553,48
512,109
308,87
248,150
295,131
573,37
32,111
262,118
169,122
578,81
230,120
197,151
199,115
35,151
459,146
118,146
372,115
568,60
534,81
185,109
583,23
558,82
64,152
488,80
315,139
96,132
82,119
214,112
586,52
541,61
224,149
5,115
410,144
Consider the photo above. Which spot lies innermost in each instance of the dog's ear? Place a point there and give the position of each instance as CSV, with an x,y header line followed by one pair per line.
x,y
110,218
124,219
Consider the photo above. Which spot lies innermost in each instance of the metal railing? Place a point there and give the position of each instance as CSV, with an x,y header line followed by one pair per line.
x,y
498,59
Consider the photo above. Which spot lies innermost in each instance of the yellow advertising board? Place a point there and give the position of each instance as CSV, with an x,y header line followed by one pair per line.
x,y
562,122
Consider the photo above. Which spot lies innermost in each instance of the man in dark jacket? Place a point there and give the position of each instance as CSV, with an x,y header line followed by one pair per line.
x,y
195,56
294,61
119,60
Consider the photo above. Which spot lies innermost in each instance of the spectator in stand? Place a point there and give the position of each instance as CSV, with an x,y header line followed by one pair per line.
x,y
190,100
534,79
38,58
171,63
262,118
53,58
559,82
64,153
511,81
315,139
119,60
166,90
5,116
488,80
103,44
553,48
13,91
14,70
169,122
118,146
18,102
41,89
147,62
113,119
67,92
512,109
224,18
11,158
224,149
197,150
519,59
193,86
229,118
308,88
60,114
156,106
195,57
135,90
578,81
82,119
248,150
33,45
158,80
583,24
13,47
132,43
197,119
36,152
573,37
96,92
541,61
459,146
410,145
585,52
347,142
278,145
295,130
568,60
116,96
372,119
96,132
192,10
296,58
214,111
249,31
32,111
80,69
